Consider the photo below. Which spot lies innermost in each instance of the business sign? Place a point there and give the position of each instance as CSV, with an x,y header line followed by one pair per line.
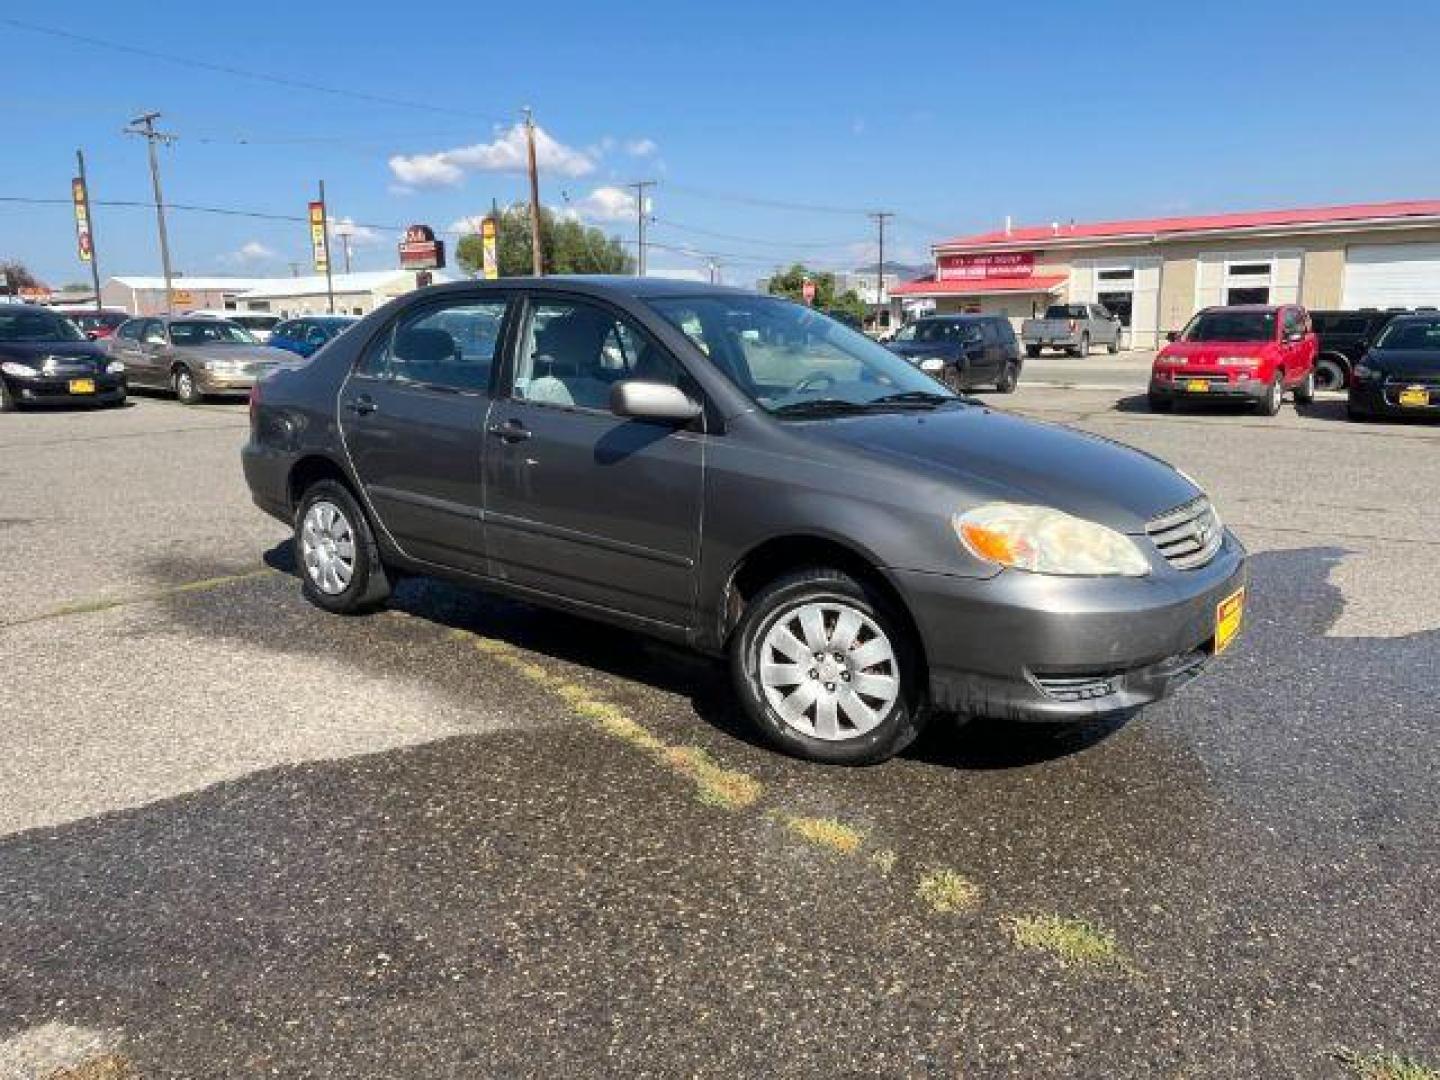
x,y
995,264
182,298
82,219
488,247
317,237
420,250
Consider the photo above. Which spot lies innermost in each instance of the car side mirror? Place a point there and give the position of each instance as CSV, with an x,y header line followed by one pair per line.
x,y
640,400
1172,335
1297,336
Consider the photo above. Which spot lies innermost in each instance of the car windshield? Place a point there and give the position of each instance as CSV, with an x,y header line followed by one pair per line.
x,y
935,330
1411,335
37,326
210,332
791,360
96,320
1231,326
255,322
1065,311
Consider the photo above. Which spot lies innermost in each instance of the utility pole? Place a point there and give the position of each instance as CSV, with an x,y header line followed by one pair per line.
x,y
640,186
879,217
89,225
144,126
714,266
345,230
537,260
325,228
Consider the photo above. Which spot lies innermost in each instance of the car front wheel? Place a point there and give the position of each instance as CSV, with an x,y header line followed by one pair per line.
x,y
7,399
187,390
1009,378
1305,392
826,670
340,567
1270,403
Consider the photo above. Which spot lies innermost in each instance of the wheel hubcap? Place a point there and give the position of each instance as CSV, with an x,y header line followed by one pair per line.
x,y
327,547
828,671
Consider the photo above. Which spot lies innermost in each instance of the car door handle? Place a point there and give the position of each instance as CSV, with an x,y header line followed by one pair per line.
x,y
512,431
364,405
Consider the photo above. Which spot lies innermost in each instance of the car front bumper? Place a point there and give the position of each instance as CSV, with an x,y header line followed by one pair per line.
x,y
1032,647
58,389
226,382
1218,386
1383,399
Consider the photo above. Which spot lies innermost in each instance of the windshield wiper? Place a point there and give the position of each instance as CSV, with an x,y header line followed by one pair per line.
x,y
820,407
915,397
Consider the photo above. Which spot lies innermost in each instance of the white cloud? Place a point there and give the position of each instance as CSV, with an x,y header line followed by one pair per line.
x,y
607,203
641,147
251,252
360,235
506,154
470,223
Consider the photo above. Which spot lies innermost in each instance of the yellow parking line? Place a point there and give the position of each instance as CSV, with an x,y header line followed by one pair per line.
x,y
89,607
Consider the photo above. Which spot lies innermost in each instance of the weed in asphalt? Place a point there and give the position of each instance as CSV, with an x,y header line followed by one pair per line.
x,y
827,833
1382,1066
947,891
105,1067
1074,941
884,860
718,785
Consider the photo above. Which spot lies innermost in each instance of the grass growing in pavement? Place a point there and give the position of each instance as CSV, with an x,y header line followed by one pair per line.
x,y
947,891
105,1067
1074,941
884,860
827,833
1381,1066
718,785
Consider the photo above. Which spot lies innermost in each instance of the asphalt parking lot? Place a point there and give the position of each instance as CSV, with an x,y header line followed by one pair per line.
x,y
463,837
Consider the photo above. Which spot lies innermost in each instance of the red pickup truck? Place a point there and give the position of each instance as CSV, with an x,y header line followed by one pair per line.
x,y
1248,353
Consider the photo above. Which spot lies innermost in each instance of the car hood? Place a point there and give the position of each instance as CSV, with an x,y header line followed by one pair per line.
x,y
993,456
240,354
29,351
919,349
1209,352
1404,364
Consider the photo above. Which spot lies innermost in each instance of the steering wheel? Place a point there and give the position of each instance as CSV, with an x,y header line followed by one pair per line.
x,y
813,382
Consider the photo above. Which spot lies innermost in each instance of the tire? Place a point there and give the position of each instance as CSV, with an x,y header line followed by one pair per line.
x,y
119,402
834,724
7,400
1305,391
1160,403
328,511
1269,405
187,390
1009,378
1331,374
1355,413
1032,351
1084,349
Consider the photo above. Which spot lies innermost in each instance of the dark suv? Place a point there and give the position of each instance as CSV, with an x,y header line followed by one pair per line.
x,y
742,475
962,351
1344,337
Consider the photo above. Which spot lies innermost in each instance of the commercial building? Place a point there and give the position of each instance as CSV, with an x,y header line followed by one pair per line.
x,y
355,294
1157,272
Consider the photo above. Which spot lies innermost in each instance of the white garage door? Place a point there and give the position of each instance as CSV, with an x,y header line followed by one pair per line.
x,y
1392,275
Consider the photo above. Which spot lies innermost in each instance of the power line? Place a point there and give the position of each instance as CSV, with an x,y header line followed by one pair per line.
x,y
757,200
751,239
227,69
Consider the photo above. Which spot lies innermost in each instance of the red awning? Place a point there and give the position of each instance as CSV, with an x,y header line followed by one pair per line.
x,y
1034,283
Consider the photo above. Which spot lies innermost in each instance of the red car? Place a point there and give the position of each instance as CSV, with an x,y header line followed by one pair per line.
x,y
96,325
1249,353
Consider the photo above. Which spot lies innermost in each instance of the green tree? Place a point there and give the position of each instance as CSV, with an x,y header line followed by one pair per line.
x,y
567,246
14,276
790,283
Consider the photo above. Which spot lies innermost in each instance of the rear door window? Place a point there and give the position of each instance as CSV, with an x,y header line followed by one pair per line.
x,y
447,346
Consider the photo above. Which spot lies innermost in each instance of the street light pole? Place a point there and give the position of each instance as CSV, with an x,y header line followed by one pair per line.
x,y
537,261
144,126
640,186
90,225
879,217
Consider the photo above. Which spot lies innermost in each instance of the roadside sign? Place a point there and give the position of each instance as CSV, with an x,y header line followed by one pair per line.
x,y
82,219
807,290
488,247
420,250
182,298
317,237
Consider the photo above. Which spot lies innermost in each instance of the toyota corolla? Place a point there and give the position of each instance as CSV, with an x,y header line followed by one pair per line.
x,y
744,476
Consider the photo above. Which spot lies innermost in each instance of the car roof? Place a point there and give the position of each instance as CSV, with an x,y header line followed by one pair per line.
x,y
600,285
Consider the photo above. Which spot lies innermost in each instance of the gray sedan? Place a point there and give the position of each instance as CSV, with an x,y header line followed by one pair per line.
x,y
747,477
193,355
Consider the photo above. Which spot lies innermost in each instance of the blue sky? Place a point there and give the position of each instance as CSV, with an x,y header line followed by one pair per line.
x,y
951,114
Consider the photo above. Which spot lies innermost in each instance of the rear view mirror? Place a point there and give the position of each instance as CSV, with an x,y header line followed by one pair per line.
x,y
932,365
652,401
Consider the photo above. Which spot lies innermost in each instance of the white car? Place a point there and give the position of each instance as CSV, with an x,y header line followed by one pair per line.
x,y
260,323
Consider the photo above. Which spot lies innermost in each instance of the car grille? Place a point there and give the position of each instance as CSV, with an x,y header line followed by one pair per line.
x,y
1400,382
1188,536
1076,687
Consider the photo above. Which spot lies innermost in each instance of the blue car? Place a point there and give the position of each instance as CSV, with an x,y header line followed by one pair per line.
x,y
305,335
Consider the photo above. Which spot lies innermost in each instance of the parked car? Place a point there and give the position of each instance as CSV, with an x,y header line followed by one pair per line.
x,y
1247,353
1400,373
1073,328
1343,338
96,325
306,335
742,475
962,351
44,357
260,323
192,355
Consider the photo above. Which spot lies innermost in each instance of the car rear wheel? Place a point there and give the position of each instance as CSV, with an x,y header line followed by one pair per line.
x,y
1032,351
826,670
1330,374
1114,346
1084,349
1009,378
7,400
187,390
1305,392
339,562
1270,403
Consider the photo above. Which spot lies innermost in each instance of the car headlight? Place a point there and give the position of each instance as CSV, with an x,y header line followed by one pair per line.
x,y
20,371
1043,540
115,367
1236,361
